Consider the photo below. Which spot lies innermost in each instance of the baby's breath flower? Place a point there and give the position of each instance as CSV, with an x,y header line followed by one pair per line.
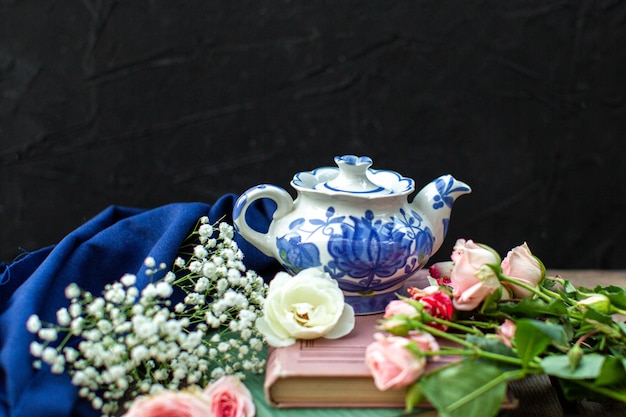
x,y
95,308
195,267
75,310
48,334
179,262
72,291
202,285
194,299
149,262
222,285
36,349
63,317
200,252
217,373
205,230
71,354
169,277
33,324
226,231
128,280
164,289
48,354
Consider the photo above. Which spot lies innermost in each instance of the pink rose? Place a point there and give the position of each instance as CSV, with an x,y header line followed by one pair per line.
x,y
396,307
229,397
170,404
506,331
392,365
520,264
425,341
472,280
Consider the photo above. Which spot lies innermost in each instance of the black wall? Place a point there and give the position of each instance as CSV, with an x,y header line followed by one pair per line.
x,y
142,103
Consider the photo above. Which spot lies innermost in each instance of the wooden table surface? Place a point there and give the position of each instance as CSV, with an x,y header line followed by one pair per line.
x,y
590,277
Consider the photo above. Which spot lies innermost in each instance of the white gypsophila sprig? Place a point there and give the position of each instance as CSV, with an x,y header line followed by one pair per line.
x,y
219,290
132,341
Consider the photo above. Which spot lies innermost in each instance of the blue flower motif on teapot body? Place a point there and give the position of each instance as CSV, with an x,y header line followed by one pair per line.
x,y
371,254
356,224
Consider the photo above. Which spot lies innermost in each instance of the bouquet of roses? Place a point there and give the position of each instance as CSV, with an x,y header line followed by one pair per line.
x,y
503,320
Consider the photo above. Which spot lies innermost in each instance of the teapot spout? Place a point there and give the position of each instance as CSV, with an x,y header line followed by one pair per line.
x,y
434,202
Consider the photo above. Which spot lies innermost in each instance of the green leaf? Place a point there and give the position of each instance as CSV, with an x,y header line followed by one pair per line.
x,y
595,315
468,390
616,294
413,397
589,367
493,345
612,372
532,337
533,308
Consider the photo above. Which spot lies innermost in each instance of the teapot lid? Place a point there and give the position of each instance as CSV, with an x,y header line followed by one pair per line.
x,y
353,176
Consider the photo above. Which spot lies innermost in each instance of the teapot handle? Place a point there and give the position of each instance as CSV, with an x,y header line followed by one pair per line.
x,y
284,204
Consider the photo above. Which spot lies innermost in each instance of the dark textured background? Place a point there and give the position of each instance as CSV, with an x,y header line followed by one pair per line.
x,y
142,103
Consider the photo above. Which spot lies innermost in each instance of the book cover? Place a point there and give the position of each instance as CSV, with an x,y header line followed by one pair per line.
x,y
325,373
330,373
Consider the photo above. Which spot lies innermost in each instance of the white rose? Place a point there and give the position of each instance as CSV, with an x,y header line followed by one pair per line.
x,y
305,306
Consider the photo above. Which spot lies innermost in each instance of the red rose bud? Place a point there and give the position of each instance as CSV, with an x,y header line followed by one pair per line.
x,y
436,303
441,271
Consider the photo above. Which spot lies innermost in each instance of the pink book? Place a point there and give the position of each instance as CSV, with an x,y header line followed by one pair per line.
x,y
325,373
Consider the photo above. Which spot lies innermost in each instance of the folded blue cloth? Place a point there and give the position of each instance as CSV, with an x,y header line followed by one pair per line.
x,y
113,243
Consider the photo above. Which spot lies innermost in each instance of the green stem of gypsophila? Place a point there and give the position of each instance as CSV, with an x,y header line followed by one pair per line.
x,y
530,288
66,339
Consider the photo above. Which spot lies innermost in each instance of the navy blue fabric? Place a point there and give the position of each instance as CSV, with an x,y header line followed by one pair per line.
x,y
114,242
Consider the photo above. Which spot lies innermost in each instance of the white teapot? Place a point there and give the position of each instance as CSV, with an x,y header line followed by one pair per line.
x,y
355,223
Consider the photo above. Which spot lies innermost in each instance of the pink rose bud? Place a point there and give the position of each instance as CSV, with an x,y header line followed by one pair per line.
x,y
425,341
396,307
396,325
392,365
229,397
506,331
472,280
168,403
418,293
520,264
